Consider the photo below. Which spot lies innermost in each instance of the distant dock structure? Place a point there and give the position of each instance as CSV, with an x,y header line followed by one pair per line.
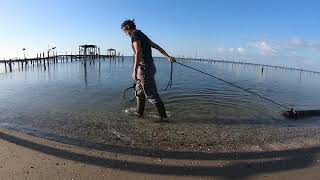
x,y
111,52
89,51
86,52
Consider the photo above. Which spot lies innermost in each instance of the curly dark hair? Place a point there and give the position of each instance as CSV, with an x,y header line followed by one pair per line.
x,y
129,23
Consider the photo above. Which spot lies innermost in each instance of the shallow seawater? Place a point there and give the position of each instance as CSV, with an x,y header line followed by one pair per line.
x,y
89,104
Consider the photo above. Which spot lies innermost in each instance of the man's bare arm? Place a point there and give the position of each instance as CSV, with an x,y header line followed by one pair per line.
x,y
137,59
133,48
162,51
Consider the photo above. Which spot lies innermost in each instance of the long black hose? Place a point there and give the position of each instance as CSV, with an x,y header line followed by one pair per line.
x,y
290,109
170,80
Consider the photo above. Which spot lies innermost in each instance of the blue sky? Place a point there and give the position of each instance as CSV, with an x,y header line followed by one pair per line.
x,y
283,32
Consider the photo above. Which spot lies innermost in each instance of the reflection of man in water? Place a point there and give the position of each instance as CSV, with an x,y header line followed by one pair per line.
x,y
144,69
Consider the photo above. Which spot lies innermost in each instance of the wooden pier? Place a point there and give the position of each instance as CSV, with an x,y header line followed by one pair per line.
x,y
46,61
87,52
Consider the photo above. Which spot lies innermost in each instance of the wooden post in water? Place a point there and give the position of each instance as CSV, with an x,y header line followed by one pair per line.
x,y
53,59
96,53
57,57
44,61
26,63
99,62
40,58
37,59
10,65
21,64
48,58
85,58
5,66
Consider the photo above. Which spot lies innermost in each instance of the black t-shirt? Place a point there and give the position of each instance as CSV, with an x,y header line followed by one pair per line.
x,y
145,45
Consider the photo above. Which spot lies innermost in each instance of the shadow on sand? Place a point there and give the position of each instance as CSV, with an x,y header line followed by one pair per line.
x,y
277,160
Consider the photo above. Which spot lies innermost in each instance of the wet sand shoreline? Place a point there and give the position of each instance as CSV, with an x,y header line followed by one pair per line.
x,y
94,127
175,136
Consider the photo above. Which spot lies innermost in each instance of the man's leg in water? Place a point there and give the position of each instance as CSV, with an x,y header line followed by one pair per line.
x,y
153,97
147,89
141,99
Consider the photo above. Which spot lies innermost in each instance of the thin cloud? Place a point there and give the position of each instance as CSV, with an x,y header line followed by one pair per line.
x,y
241,50
231,50
265,48
298,42
221,50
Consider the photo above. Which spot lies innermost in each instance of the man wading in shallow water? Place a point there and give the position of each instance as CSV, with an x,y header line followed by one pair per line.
x,y
144,70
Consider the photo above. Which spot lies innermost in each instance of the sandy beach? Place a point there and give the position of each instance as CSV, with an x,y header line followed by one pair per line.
x,y
24,156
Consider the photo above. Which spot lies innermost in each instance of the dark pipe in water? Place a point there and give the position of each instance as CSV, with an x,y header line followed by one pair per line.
x,y
301,114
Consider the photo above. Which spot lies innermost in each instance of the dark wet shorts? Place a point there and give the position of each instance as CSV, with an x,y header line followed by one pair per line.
x,y
146,85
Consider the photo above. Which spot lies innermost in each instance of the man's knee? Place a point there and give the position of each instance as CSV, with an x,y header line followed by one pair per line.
x,y
154,99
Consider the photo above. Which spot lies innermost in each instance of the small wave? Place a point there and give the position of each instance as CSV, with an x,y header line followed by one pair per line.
x,y
129,110
3,124
151,114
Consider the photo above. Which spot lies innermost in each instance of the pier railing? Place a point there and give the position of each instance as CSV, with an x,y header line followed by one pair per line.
x,y
46,61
